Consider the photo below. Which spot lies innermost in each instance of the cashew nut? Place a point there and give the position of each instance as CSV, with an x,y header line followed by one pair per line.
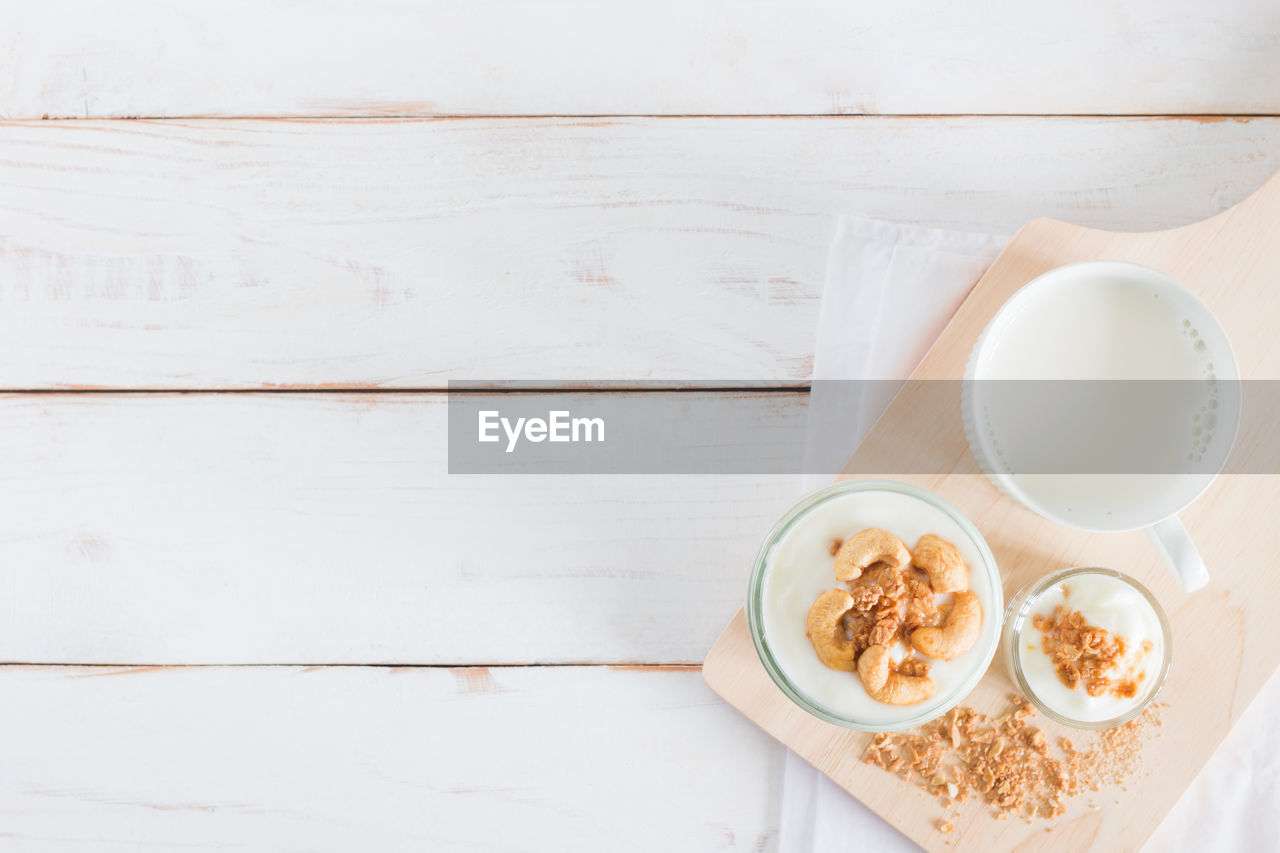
x,y
887,686
866,547
834,648
941,561
957,634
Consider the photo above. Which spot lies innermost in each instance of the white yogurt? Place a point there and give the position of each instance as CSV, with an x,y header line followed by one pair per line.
x,y
1108,603
799,567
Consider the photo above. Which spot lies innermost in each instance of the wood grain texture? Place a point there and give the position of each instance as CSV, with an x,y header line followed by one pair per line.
x,y
1226,640
63,58
325,528
280,254
360,758
265,254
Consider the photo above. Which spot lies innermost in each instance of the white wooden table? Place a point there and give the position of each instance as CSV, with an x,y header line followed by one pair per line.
x,y
243,247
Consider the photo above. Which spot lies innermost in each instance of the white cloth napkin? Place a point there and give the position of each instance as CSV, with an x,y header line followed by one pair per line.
x,y
890,289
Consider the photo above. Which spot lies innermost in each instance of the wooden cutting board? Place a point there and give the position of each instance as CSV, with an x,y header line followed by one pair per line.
x,y
1226,636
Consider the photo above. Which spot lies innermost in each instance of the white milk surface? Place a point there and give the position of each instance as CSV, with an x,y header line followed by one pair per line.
x,y
799,567
1105,327
1111,604
1099,328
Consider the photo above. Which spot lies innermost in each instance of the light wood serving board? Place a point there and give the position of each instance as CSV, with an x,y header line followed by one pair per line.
x,y
1226,636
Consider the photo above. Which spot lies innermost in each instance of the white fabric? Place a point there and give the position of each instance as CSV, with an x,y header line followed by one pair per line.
x,y
890,289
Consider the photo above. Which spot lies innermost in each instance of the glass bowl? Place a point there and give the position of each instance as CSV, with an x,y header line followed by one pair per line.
x,y
1017,617
907,511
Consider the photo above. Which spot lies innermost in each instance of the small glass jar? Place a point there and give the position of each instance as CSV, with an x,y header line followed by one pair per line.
x,y
1018,618
977,659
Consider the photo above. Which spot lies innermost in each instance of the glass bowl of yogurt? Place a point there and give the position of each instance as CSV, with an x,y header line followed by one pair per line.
x,y
794,566
1089,647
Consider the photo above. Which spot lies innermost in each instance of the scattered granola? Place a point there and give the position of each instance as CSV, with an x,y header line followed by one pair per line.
x,y
1006,761
1087,656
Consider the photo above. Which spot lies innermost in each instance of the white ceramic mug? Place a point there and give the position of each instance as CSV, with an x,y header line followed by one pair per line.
x,y
1105,396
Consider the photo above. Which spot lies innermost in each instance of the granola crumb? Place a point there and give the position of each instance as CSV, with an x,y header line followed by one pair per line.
x,y
1086,656
945,827
1007,763
835,546
888,605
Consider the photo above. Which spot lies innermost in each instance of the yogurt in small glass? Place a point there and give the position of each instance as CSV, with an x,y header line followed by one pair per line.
x,y
1109,600
794,566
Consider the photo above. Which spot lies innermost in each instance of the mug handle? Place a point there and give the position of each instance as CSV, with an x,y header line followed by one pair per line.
x,y
1179,553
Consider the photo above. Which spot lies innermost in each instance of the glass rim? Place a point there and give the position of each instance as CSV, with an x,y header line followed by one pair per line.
x,y
1015,618
755,587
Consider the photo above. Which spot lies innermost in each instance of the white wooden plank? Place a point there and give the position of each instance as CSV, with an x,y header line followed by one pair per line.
x,y
361,758
403,253
324,528
70,58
